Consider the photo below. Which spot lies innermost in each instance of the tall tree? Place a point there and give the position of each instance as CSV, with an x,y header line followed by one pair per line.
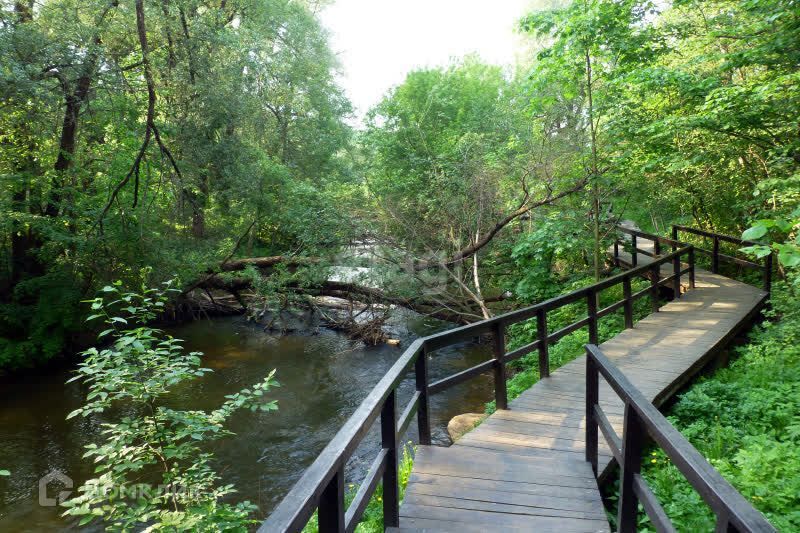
x,y
589,44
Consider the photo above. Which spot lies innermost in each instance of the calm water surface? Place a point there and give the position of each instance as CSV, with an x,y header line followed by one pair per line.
x,y
324,377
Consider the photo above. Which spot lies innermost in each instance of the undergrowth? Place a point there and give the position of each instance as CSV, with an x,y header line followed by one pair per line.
x,y
745,419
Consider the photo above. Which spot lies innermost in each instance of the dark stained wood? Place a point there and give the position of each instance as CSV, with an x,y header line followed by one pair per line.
x,y
541,332
499,352
331,505
643,420
547,422
391,501
592,399
651,505
716,255
632,447
360,501
319,485
475,520
421,382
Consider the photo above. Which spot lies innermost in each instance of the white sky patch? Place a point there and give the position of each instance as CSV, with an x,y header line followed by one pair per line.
x,y
379,42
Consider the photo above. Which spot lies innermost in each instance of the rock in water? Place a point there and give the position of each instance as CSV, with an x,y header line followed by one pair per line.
x,y
462,424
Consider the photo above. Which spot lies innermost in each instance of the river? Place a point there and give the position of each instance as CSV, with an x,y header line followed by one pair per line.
x,y
323,376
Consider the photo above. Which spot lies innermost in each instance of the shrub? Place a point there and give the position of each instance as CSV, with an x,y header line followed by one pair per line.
x,y
151,468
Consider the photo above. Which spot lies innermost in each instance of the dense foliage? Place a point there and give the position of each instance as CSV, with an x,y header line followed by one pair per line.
x,y
155,134
183,135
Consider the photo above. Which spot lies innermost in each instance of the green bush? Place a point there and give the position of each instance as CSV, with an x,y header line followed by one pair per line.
x,y
151,468
40,321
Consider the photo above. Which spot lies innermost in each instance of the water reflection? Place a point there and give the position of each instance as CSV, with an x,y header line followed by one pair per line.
x,y
323,377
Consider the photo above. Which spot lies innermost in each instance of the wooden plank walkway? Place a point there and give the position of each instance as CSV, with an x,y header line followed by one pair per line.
x,y
523,469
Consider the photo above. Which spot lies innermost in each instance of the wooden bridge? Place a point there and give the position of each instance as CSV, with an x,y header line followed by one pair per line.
x,y
535,464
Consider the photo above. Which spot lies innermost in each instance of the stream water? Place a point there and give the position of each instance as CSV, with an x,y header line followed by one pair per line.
x,y
323,377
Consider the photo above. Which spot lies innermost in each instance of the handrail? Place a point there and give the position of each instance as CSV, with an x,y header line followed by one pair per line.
x,y
732,510
635,250
716,255
322,484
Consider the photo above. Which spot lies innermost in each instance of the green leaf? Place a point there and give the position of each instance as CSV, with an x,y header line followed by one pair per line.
x,y
759,250
754,233
5,473
789,255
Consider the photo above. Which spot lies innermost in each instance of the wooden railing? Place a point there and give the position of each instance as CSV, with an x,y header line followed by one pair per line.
x,y
642,419
716,256
322,485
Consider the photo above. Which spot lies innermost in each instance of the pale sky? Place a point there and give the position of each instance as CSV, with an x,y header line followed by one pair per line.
x,y
378,42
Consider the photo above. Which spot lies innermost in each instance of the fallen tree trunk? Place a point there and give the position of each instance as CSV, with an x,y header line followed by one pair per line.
x,y
354,292
268,262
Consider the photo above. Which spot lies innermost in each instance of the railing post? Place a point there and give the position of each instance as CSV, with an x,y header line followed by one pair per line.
x,y
634,257
626,292
331,505
768,274
674,238
632,444
656,248
591,307
616,253
541,335
592,398
655,278
723,524
500,393
715,256
676,282
421,378
391,498
691,266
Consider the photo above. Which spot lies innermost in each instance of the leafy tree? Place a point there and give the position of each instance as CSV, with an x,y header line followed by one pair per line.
x,y
590,44
710,125
156,134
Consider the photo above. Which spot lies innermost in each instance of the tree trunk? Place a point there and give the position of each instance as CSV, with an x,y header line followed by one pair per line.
x,y
594,170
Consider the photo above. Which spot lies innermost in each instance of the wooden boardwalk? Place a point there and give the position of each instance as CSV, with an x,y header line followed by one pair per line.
x,y
524,469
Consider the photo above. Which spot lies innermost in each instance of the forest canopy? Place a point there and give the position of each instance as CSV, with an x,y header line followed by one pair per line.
x,y
209,140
